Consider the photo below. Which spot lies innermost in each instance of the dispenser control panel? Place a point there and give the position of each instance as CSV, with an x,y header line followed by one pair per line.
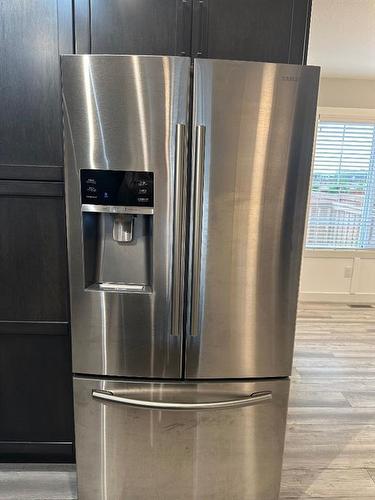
x,y
117,188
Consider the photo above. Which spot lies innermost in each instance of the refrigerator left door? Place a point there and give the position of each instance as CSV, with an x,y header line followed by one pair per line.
x,y
125,126
205,440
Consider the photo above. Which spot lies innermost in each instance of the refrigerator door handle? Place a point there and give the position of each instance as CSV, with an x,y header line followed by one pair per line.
x,y
253,399
197,239
179,222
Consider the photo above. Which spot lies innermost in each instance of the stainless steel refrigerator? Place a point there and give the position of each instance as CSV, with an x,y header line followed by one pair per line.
x,y
186,192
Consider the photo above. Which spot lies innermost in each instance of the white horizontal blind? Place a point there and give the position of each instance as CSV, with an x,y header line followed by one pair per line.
x,y
342,200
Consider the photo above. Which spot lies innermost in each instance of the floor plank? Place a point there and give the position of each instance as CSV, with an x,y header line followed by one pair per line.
x,y
327,483
299,397
37,482
360,400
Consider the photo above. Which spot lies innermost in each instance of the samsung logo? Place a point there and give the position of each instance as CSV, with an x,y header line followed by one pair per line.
x,y
290,78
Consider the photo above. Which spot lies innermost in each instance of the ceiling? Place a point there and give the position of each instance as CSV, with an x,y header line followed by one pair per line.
x,y
342,38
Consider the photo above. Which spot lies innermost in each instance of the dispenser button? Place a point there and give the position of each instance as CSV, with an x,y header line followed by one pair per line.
x,y
143,191
143,200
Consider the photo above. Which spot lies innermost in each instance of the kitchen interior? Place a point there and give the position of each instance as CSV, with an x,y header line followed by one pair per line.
x,y
154,179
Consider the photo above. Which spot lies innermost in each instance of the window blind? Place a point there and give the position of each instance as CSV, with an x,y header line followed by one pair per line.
x,y
342,200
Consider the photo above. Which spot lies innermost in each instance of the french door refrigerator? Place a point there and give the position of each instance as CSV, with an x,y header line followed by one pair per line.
x,y
186,192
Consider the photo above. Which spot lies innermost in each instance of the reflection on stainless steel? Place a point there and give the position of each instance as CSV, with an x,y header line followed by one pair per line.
x,y
259,121
219,454
121,113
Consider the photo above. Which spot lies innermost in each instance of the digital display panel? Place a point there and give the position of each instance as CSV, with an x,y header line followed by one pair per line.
x,y
117,188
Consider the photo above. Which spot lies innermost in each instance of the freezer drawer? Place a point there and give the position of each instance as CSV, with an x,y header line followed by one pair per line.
x,y
138,440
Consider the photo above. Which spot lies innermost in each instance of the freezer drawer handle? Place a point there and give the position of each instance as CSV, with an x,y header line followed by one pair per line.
x,y
179,222
254,399
197,240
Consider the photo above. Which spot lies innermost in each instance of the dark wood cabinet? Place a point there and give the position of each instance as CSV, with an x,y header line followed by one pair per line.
x,y
30,118
33,264
36,407
36,415
127,27
252,30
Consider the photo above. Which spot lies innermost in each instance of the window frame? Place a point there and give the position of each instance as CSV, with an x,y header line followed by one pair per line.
x,y
360,115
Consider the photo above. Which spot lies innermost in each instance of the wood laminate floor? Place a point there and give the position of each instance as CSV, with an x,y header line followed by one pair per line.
x,y
330,444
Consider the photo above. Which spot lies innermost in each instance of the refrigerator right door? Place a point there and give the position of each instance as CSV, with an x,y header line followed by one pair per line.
x,y
253,129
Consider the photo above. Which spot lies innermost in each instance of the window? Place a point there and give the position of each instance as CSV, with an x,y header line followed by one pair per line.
x,y
342,201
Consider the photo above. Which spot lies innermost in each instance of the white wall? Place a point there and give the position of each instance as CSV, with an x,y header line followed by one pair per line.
x,y
347,93
342,38
338,276
332,275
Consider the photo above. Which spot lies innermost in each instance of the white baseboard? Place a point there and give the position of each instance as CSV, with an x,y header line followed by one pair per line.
x,y
349,298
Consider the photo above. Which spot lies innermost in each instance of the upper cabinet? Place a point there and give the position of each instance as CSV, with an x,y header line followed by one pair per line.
x,y
251,30
30,118
254,30
150,27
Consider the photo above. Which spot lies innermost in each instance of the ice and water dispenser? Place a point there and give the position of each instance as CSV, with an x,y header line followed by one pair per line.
x,y
117,222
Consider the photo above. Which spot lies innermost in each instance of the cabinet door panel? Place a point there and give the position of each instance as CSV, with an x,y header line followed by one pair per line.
x,y
249,30
150,27
30,119
33,269
35,386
